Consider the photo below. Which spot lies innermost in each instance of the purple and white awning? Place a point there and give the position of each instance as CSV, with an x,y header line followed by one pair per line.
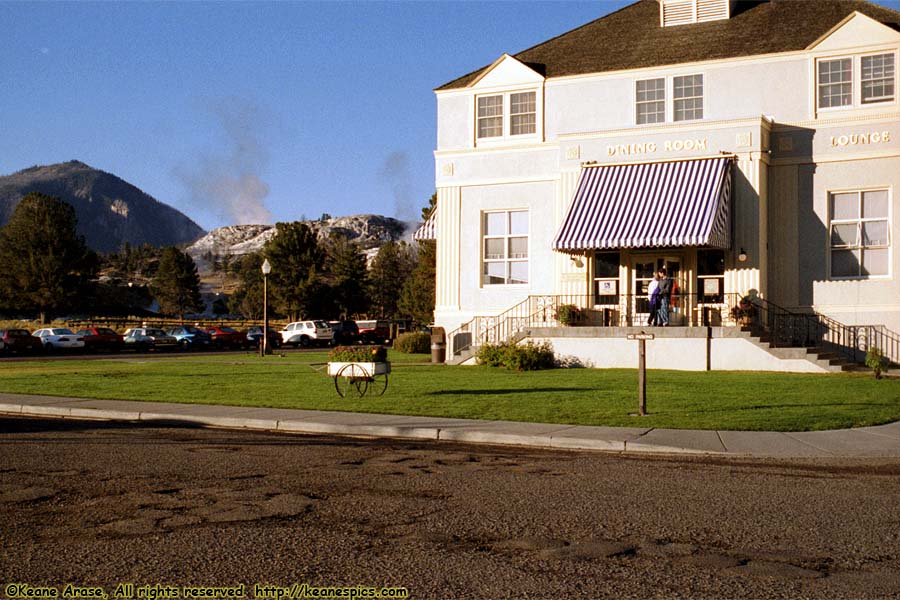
x,y
426,231
676,203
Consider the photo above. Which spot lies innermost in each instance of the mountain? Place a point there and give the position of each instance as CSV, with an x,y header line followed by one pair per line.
x,y
369,231
110,210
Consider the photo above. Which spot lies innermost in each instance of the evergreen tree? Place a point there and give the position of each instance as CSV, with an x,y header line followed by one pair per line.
x,y
390,268
176,285
248,298
296,279
347,276
46,264
417,298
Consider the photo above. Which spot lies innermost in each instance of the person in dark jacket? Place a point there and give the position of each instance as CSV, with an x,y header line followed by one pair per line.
x,y
663,295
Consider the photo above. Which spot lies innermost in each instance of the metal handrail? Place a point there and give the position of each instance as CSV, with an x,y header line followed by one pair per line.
x,y
782,327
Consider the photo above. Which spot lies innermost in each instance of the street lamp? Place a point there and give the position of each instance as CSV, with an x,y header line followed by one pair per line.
x,y
264,343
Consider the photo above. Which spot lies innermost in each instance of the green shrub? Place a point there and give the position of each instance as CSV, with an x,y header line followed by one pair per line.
x,y
525,357
413,343
875,360
492,355
568,314
358,354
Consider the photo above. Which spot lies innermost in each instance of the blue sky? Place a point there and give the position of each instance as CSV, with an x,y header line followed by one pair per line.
x,y
253,112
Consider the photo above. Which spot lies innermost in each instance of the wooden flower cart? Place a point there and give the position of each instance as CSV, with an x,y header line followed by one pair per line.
x,y
359,378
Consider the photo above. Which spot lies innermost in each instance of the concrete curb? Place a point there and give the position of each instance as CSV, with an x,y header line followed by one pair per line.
x,y
879,441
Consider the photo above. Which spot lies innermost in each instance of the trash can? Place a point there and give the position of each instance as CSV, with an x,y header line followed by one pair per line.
x,y
438,345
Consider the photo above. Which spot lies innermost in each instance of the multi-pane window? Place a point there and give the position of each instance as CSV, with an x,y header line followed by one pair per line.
x,y
505,247
688,97
860,244
877,74
522,113
650,101
835,83
492,111
490,116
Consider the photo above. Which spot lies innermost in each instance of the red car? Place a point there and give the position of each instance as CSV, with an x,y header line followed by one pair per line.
x,y
101,339
20,341
227,337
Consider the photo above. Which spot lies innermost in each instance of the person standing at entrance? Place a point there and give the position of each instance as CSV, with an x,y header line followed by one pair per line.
x,y
653,297
663,294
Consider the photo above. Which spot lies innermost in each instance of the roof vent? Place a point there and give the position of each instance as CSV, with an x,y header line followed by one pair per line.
x,y
683,12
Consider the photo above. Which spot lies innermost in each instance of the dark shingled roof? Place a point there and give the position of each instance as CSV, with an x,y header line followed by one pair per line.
x,y
632,37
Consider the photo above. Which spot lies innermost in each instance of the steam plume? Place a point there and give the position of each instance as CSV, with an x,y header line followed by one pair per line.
x,y
229,185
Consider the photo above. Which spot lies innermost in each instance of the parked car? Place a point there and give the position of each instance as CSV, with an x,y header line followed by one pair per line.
x,y
20,341
344,332
97,339
58,338
375,332
307,333
149,338
254,335
227,337
190,337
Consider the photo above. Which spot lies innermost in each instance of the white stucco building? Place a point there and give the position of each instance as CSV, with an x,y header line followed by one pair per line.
x,y
749,148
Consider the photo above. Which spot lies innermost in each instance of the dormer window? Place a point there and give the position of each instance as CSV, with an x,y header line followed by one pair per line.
x,y
877,78
490,116
491,110
848,81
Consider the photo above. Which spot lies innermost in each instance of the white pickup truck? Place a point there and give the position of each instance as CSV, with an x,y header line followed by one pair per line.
x,y
307,333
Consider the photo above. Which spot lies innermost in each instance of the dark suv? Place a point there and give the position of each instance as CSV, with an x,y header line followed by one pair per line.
x,y
345,332
20,341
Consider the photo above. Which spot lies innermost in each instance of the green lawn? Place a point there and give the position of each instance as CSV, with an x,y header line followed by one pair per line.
x,y
676,399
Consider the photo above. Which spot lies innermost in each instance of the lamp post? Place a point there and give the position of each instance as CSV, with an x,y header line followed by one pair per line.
x,y
264,343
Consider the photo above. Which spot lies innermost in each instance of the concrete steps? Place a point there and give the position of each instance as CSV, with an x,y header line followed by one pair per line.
x,y
829,361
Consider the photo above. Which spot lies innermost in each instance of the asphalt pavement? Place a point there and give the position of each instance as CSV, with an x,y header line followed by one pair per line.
x,y
863,442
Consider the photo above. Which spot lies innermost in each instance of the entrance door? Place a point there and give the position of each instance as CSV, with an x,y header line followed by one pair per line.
x,y
643,269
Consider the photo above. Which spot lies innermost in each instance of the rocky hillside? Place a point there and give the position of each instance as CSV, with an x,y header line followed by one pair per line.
x,y
110,211
369,231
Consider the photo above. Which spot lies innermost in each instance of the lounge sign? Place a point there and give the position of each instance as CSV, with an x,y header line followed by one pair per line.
x,y
653,147
860,139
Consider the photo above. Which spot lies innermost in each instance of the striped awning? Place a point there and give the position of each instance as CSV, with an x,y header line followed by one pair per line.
x,y
675,203
426,231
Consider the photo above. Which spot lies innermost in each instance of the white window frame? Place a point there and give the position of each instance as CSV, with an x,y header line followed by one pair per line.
x,y
506,259
506,134
858,221
882,100
669,98
856,99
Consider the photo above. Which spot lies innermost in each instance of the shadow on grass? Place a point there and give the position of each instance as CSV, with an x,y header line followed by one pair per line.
x,y
500,392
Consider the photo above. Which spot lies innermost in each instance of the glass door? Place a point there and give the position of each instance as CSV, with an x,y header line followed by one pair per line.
x,y
643,270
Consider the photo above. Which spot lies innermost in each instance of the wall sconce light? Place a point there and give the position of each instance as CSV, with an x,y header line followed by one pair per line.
x,y
576,260
742,257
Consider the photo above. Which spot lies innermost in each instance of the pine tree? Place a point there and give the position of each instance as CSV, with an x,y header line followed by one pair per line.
x,y
46,264
176,285
418,294
390,268
295,283
347,276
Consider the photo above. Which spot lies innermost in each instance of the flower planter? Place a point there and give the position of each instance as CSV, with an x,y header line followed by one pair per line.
x,y
361,369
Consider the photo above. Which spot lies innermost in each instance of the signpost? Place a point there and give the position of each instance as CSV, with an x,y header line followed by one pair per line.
x,y
642,368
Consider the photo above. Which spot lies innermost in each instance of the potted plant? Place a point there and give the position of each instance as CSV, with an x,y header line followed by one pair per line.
x,y
744,312
568,314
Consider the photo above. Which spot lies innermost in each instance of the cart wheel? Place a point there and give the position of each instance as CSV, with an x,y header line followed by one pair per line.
x,y
351,380
378,384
